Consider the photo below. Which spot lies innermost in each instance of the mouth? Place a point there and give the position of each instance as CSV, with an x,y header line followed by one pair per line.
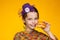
x,y
33,25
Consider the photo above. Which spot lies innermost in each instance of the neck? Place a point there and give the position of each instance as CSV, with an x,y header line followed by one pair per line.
x,y
28,30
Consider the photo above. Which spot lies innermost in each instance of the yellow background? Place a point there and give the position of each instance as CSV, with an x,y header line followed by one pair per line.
x,y
11,23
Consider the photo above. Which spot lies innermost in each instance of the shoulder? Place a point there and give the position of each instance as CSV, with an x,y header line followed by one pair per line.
x,y
44,36
40,33
18,35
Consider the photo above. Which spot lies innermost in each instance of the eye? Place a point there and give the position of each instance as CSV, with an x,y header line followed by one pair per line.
x,y
36,18
29,18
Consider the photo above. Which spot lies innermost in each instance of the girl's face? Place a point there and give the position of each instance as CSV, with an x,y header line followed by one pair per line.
x,y
31,20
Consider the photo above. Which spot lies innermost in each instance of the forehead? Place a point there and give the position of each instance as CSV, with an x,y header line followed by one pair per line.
x,y
32,14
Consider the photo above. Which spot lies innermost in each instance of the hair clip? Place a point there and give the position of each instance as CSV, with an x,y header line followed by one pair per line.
x,y
27,9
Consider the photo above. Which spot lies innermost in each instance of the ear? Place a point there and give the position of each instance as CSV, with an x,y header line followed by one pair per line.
x,y
24,22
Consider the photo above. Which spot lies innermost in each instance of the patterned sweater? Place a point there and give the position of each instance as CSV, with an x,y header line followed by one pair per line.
x,y
34,35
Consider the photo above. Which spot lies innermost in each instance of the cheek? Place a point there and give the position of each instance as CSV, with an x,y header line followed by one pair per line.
x,y
28,22
36,21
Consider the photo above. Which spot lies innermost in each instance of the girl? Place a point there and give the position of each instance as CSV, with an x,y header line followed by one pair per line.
x,y
30,17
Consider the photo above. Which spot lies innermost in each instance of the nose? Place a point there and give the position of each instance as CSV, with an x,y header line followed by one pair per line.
x,y
33,21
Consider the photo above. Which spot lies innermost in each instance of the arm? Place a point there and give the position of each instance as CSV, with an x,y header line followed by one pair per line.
x,y
53,37
47,30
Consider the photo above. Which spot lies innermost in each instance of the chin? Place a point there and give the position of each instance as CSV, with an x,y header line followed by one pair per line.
x,y
33,27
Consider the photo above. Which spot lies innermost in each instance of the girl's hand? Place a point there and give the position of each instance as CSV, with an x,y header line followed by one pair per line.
x,y
45,26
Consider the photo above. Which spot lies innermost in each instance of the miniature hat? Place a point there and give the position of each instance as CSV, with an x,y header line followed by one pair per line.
x,y
27,8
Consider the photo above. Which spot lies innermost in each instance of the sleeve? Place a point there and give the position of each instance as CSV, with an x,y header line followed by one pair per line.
x,y
17,37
